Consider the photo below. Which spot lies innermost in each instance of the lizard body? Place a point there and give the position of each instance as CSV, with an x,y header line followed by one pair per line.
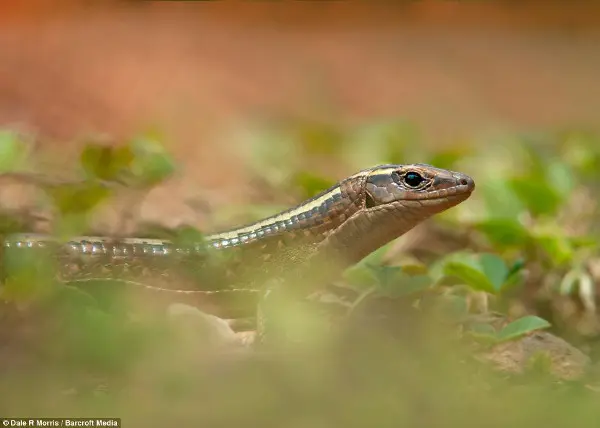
x,y
334,229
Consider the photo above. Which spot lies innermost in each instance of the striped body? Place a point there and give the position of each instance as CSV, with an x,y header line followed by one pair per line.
x,y
312,217
347,221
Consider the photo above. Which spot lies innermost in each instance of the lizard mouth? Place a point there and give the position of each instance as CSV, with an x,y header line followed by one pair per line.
x,y
461,191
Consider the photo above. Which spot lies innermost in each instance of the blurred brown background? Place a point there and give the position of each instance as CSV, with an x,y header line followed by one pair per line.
x,y
196,70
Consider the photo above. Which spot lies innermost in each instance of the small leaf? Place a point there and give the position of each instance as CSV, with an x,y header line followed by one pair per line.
x,y
386,275
78,198
537,195
516,267
469,272
494,269
407,285
376,257
104,162
151,163
515,275
13,151
29,273
360,277
392,281
483,272
93,159
521,327
75,201
361,274
482,332
504,231
482,329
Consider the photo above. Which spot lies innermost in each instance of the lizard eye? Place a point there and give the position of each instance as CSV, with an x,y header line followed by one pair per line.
x,y
413,179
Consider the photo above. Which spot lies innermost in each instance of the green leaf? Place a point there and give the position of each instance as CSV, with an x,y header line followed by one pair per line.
x,y
470,272
77,198
13,151
370,273
376,257
360,277
494,269
75,201
482,332
151,163
515,275
504,231
361,274
516,267
481,328
392,281
385,275
484,272
29,273
539,196
521,327
104,162
405,285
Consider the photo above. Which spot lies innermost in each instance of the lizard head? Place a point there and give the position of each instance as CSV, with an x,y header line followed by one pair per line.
x,y
395,198
421,186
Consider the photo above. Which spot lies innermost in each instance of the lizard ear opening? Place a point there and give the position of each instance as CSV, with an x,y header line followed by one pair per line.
x,y
369,201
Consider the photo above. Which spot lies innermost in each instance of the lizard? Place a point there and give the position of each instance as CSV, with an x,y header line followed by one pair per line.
x,y
326,233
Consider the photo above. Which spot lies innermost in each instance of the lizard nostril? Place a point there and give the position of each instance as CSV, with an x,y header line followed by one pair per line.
x,y
465,180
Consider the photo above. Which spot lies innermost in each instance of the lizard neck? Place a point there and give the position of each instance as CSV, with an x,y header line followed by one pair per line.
x,y
311,220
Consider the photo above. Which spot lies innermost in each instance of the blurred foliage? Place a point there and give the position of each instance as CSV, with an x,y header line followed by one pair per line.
x,y
531,224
